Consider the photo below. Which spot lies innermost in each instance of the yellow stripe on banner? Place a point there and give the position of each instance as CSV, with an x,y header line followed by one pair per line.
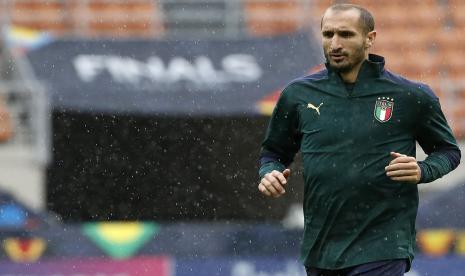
x,y
121,232
460,243
24,33
266,108
120,239
24,250
436,242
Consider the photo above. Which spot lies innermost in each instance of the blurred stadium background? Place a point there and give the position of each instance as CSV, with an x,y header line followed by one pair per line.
x,y
130,132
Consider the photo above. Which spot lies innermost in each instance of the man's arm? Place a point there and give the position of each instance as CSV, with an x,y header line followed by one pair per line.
x,y
436,139
279,147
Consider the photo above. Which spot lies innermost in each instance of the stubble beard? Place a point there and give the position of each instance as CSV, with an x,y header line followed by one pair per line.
x,y
350,62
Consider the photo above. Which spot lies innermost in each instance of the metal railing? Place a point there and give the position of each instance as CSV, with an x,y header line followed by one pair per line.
x,y
28,107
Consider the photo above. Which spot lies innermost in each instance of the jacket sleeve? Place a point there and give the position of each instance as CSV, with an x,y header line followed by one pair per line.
x,y
436,139
282,139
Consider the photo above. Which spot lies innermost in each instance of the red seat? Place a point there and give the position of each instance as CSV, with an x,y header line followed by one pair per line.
x,y
88,18
117,18
39,15
265,18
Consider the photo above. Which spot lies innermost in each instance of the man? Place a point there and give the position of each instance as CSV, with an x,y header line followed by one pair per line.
x,y
356,124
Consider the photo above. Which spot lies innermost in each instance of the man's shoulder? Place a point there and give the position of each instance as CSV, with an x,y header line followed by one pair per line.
x,y
307,80
420,88
318,75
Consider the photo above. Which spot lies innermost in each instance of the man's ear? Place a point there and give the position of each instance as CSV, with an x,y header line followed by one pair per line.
x,y
370,39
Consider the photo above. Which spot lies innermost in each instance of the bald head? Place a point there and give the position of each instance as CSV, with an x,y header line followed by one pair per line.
x,y
366,21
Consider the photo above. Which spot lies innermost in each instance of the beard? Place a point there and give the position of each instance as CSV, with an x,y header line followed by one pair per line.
x,y
349,62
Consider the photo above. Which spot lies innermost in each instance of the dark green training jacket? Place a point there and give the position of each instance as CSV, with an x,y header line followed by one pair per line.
x,y
353,212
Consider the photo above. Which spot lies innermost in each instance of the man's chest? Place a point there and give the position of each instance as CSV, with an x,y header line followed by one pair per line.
x,y
327,119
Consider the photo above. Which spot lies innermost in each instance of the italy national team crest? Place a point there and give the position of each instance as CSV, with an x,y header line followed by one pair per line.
x,y
383,109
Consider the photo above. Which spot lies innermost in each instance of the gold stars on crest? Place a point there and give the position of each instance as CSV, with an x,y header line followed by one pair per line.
x,y
386,98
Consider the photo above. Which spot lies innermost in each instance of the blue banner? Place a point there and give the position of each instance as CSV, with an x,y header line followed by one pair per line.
x,y
429,266
212,266
171,77
270,266
254,266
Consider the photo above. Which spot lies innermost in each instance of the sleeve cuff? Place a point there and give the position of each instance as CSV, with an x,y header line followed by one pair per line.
x,y
423,172
269,167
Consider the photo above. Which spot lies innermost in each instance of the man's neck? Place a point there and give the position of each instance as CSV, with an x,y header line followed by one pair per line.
x,y
351,76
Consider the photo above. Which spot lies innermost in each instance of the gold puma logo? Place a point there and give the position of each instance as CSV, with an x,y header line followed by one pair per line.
x,y
317,109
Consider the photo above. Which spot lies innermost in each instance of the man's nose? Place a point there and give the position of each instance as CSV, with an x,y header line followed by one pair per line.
x,y
335,43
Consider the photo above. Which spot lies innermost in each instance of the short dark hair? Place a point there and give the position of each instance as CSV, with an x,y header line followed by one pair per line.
x,y
366,19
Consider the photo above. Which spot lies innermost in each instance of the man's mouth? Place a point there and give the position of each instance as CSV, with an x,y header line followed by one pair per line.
x,y
337,57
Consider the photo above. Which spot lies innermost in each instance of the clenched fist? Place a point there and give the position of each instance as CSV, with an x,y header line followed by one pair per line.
x,y
403,168
273,183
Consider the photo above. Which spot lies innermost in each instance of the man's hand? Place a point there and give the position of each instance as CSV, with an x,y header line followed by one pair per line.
x,y
403,168
272,184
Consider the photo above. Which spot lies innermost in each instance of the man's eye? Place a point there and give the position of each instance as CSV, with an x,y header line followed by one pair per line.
x,y
328,34
345,34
